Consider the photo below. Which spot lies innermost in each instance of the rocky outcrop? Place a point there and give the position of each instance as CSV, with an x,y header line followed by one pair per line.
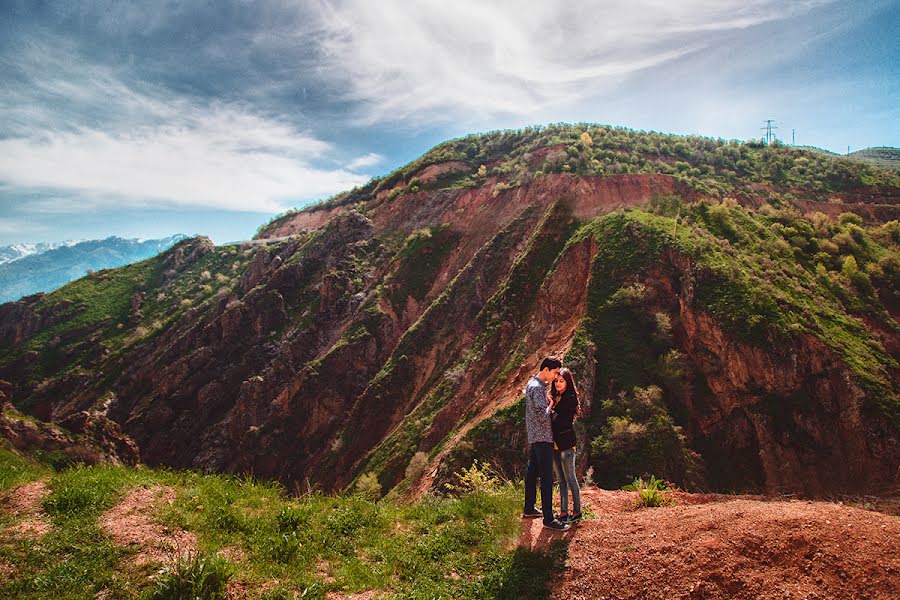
x,y
87,437
783,417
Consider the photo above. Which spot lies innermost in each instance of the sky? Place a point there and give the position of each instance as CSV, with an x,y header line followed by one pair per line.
x,y
147,119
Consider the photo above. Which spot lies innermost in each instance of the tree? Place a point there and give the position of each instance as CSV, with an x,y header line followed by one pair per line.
x,y
850,267
586,139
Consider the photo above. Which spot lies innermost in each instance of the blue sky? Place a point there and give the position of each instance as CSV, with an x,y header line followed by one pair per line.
x,y
151,118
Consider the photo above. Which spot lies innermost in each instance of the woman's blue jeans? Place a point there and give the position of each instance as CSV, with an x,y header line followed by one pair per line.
x,y
564,464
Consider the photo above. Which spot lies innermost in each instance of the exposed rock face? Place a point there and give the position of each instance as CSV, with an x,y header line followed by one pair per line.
x,y
5,394
780,416
85,437
18,320
344,348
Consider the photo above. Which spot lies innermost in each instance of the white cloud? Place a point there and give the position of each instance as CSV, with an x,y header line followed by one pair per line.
x,y
432,59
79,127
228,161
363,162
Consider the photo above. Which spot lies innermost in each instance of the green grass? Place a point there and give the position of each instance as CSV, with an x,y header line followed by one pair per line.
x,y
418,263
16,469
440,547
194,575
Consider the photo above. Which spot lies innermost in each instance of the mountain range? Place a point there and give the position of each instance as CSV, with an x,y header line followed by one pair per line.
x,y
17,251
31,268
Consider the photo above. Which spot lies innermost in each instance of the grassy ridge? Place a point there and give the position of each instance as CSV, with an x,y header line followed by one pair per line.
x,y
461,547
715,167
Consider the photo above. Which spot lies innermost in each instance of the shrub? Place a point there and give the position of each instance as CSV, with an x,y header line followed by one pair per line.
x,y
663,327
479,478
368,487
639,436
850,267
629,295
848,217
417,465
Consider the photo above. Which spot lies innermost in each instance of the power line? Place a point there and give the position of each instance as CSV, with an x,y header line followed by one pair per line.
x,y
770,135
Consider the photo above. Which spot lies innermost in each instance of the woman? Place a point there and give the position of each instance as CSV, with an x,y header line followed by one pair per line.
x,y
564,398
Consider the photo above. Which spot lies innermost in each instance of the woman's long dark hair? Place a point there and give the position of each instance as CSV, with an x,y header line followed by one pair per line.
x,y
571,390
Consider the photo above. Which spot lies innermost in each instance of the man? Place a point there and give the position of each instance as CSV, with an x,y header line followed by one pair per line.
x,y
540,444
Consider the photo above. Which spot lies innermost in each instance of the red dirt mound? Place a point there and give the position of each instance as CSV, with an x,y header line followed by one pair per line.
x,y
709,546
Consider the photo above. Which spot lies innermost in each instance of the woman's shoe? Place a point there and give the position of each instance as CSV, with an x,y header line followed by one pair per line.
x,y
574,518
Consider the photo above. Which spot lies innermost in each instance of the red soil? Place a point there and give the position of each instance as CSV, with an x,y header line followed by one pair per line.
x,y
711,546
132,522
25,502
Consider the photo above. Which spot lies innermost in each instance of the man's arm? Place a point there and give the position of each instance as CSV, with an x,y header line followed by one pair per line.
x,y
536,399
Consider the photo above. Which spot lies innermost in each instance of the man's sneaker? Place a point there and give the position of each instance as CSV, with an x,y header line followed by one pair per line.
x,y
556,525
532,514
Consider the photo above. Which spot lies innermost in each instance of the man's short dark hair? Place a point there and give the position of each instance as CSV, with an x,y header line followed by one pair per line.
x,y
551,362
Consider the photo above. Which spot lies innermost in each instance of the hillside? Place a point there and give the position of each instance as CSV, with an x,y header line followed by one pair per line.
x,y
122,532
882,156
46,269
729,310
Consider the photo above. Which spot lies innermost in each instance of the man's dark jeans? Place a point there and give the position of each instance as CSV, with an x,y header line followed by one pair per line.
x,y
540,465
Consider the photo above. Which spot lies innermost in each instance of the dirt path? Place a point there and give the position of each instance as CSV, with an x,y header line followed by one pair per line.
x,y
24,502
132,522
710,546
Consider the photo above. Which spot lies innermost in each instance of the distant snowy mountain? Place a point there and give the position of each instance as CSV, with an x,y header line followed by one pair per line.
x,y
31,268
17,251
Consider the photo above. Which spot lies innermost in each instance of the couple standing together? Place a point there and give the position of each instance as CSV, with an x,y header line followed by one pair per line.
x,y
551,403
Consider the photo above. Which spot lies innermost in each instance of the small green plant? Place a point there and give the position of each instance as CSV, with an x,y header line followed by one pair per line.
x,y
195,576
284,547
651,493
291,519
651,484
